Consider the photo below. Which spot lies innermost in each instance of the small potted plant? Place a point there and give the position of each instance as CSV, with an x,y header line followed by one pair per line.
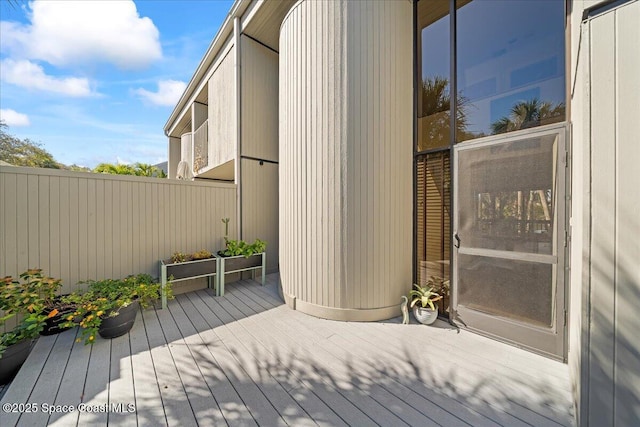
x,y
440,286
422,299
26,298
109,307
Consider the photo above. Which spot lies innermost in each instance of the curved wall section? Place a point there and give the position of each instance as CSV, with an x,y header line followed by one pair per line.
x,y
345,150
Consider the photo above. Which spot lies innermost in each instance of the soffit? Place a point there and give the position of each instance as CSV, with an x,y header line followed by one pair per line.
x,y
431,11
264,25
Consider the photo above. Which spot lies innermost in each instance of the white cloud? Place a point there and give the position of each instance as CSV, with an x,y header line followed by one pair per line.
x,y
32,76
84,32
168,94
13,118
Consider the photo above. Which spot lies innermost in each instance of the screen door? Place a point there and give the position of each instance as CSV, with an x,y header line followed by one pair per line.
x,y
509,240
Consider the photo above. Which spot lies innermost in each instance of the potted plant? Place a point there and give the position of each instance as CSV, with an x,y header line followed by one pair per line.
x,y
441,287
422,299
187,266
109,306
26,298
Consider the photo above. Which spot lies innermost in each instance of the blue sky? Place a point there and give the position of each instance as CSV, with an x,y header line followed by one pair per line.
x,y
95,81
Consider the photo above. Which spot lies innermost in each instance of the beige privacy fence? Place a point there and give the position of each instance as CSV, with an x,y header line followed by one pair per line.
x,y
78,226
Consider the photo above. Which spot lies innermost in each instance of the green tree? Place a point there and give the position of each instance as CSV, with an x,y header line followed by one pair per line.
x,y
145,169
24,152
528,114
114,169
138,169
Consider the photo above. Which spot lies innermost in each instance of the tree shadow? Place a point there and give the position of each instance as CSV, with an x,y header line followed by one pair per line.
x,y
246,358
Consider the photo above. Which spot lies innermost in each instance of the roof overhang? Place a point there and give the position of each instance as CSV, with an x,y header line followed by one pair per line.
x,y
225,31
259,19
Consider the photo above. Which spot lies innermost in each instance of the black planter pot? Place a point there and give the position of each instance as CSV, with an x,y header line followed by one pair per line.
x,y
112,327
52,324
13,358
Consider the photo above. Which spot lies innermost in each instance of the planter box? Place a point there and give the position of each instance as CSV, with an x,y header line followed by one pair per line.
x,y
177,271
235,264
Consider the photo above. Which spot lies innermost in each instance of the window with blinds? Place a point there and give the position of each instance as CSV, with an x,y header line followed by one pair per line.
x,y
433,189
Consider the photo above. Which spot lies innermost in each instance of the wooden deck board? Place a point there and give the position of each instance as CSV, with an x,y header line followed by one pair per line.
x,y
148,400
461,356
121,390
382,407
174,398
251,336
228,399
247,359
96,387
255,399
197,387
48,384
72,386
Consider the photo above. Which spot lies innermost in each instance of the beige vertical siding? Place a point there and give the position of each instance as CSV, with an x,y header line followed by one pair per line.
x,y
611,373
260,206
199,114
259,101
259,183
174,156
346,157
79,226
222,112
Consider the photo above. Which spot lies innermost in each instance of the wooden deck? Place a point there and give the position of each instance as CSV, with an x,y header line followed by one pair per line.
x,y
247,359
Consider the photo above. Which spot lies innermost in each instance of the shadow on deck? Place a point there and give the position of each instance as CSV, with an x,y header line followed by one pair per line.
x,y
247,359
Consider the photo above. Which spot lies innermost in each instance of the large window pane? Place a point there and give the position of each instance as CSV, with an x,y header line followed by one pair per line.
x,y
433,59
510,66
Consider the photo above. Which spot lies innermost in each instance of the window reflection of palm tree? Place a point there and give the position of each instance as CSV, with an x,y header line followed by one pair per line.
x,y
528,114
435,104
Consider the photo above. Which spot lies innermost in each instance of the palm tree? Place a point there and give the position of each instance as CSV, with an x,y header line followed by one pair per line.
x,y
435,103
145,169
528,114
110,168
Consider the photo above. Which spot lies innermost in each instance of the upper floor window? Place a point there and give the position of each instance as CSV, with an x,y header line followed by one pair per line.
x,y
510,68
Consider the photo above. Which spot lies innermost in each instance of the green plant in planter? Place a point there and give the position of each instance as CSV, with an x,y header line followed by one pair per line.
x,y
240,247
27,298
424,296
105,298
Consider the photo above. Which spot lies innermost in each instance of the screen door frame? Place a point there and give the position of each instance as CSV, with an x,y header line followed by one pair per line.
x,y
551,341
